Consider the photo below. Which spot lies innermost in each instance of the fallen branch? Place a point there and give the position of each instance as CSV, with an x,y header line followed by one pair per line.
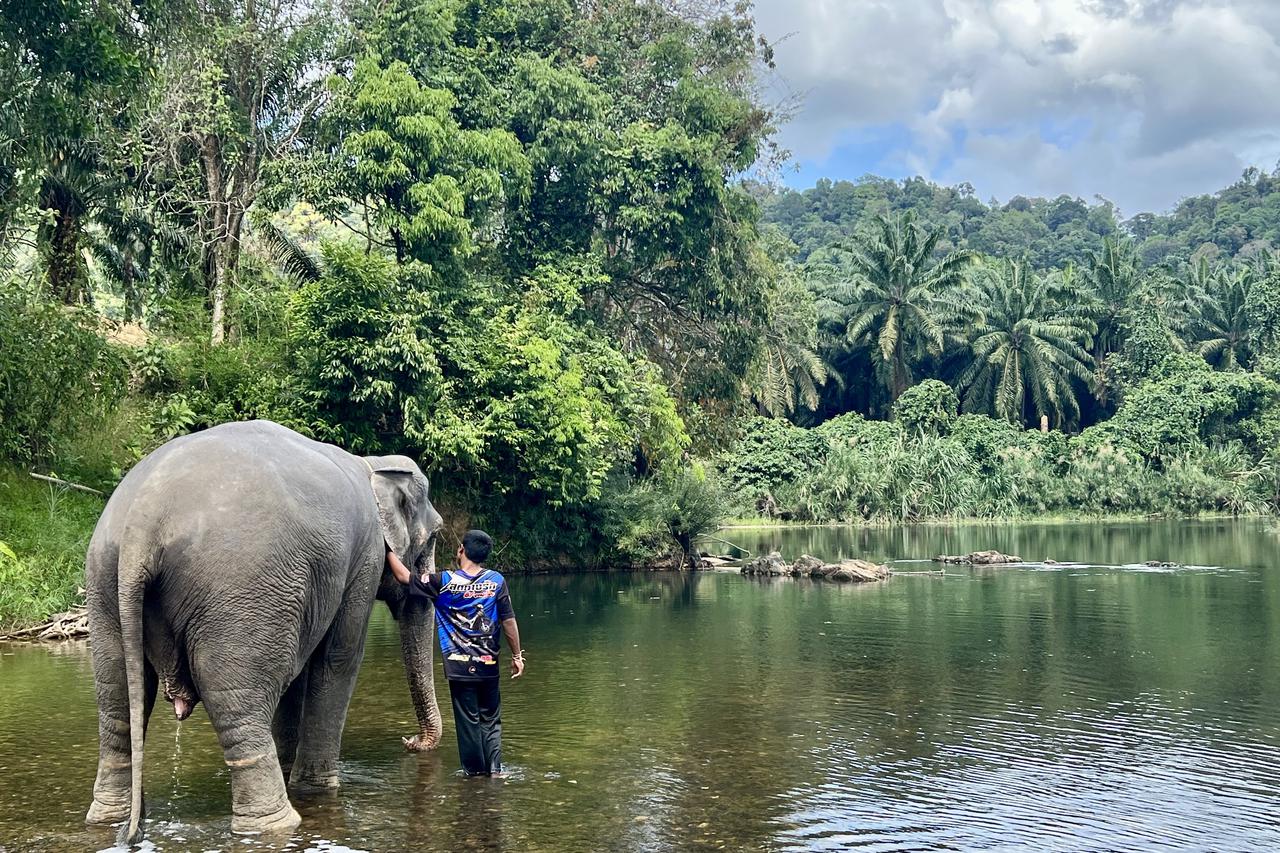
x,y
64,626
67,483
726,542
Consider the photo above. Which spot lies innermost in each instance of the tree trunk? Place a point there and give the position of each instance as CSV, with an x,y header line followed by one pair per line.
x,y
63,263
218,301
215,236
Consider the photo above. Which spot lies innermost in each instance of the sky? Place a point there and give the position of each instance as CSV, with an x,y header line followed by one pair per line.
x,y
1144,102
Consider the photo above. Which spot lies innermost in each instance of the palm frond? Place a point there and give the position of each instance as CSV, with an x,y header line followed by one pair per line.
x,y
285,250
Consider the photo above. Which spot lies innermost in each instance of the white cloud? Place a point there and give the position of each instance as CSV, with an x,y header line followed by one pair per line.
x,y
1159,98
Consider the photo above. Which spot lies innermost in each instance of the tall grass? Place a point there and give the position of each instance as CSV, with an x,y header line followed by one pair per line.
x,y
45,530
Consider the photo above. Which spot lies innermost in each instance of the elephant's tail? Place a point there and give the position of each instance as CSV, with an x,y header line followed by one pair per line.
x,y
133,574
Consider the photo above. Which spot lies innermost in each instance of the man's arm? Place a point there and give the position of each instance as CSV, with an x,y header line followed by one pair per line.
x,y
512,632
399,569
427,586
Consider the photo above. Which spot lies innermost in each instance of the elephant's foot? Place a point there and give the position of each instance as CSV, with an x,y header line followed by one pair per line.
x,y
279,822
313,772
313,781
104,812
111,792
259,802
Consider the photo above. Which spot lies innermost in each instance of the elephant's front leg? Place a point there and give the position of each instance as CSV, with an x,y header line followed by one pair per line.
x,y
288,721
331,679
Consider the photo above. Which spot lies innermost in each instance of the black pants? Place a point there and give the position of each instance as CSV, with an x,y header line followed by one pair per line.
x,y
477,717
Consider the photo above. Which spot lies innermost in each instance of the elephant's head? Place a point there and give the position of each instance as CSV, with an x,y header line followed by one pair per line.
x,y
409,522
410,526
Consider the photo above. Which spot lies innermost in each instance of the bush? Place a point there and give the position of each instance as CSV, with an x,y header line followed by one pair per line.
x,y
873,471
929,408
58,375
852,428
1186,405
669,511
770,452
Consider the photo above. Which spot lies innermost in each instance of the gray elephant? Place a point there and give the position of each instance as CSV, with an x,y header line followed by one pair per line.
x,y
238,567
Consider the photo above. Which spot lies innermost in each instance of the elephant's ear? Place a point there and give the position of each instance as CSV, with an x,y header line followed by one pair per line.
x,y
391,490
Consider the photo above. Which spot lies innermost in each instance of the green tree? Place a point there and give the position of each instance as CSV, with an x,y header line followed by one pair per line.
x,y
236,88
787,373
65,95
1262,308
896,298
928,408
1113,278
1029,345
1219,328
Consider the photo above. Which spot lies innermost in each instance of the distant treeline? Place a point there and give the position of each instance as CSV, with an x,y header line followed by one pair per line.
x,y
1237,222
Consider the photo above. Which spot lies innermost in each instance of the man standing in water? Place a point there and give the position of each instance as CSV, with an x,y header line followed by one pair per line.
x,y
471,603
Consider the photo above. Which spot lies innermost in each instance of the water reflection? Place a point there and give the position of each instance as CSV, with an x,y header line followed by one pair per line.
x,y
1080,708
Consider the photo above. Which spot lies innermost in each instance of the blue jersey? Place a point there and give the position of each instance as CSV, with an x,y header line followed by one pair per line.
x,y
469,615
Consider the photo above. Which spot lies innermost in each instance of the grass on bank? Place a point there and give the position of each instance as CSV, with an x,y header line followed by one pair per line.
x,y
1044,519
44,532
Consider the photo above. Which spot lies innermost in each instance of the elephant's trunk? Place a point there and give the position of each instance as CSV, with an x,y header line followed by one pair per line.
x,y
417,626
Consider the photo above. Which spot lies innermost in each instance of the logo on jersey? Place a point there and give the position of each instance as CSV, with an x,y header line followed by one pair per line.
x,y
475,589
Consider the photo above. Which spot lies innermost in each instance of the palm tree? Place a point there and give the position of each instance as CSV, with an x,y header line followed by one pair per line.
x,y
72,187
788,372
1220,327
1114,279
131,243
1030,346
897,300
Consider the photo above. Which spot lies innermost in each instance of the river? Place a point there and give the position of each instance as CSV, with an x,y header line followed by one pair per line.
x,y
1091,707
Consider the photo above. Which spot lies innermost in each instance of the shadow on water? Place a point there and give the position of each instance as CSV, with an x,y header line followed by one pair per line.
x,y
1080,708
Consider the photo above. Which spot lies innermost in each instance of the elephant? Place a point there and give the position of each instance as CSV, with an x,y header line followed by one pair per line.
x,y
238,567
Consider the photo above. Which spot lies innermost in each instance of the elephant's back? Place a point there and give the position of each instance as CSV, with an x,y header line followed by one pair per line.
x,y
253,468
240,488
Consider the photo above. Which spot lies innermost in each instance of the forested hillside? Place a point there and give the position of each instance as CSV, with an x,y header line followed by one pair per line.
x,y
1238,222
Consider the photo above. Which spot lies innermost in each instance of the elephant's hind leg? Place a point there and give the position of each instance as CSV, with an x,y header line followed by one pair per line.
x,y
111,788
241,679
242,717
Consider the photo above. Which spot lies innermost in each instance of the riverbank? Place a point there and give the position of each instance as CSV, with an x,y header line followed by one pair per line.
x,y
1047,519
45,529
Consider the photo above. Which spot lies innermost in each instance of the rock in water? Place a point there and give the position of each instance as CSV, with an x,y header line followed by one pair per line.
x,y
979,558
992,558
859,570
769,564
808,565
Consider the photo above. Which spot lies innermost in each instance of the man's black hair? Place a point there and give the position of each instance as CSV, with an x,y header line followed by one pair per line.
x,y
477,544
